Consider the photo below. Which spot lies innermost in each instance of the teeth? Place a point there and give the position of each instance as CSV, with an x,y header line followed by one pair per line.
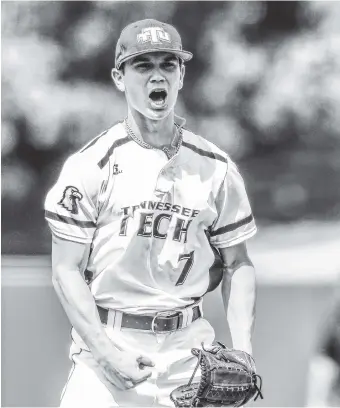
x,y
159,96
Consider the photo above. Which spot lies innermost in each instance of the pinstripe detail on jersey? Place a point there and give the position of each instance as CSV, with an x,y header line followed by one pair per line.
x,y
94,141
232,227
117,143
69,220
205,153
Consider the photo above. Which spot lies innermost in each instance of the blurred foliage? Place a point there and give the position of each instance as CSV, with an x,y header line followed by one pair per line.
x,y
264,85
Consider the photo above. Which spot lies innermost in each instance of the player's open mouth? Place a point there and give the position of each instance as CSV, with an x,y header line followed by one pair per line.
x,y
158,97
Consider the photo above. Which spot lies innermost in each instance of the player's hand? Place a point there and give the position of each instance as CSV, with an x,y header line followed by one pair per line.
x,y
126,370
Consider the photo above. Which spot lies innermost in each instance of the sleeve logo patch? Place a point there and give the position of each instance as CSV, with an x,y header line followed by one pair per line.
x,y
71,197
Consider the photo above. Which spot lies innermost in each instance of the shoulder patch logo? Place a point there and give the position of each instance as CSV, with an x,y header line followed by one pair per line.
x,y
71,197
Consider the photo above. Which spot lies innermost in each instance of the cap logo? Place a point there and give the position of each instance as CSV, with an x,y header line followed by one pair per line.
x,y
154,35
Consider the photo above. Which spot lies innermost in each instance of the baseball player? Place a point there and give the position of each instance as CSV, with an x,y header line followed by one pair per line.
x,y
134,217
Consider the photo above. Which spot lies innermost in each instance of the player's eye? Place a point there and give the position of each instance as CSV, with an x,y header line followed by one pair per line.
x,y
170,65
143,66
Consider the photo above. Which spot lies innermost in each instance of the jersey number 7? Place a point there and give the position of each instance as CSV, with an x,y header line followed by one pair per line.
x,y
187,266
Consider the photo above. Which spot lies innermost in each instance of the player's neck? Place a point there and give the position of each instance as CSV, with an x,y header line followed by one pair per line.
x,y
157,133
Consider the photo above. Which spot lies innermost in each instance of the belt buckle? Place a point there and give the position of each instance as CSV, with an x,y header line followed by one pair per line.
x,y
165,314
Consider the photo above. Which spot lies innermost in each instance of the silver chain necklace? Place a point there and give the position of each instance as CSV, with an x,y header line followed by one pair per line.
x,y
169,152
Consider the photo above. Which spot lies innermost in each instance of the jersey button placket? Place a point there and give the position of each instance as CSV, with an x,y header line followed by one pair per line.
x,y
166,178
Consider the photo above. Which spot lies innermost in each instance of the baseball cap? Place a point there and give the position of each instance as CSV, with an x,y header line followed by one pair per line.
x,y
148,36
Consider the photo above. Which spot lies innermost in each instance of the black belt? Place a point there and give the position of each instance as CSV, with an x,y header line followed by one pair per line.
x,y
160,322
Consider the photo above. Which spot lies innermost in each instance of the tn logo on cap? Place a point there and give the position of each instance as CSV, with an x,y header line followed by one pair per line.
x,y
155,35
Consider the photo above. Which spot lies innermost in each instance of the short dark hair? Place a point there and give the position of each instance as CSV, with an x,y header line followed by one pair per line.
x,y
122,68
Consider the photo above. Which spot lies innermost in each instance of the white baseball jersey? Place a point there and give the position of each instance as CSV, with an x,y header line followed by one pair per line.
x,y
150,220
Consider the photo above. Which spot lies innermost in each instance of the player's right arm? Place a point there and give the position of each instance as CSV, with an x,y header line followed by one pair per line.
x,y
71,210
119,367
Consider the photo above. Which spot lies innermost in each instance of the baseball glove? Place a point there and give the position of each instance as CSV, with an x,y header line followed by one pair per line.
x,y
228,378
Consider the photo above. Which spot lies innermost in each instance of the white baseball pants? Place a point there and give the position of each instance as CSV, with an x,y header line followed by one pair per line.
x,y
174,364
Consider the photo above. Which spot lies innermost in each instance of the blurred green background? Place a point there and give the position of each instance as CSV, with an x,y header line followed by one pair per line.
x,y
264,85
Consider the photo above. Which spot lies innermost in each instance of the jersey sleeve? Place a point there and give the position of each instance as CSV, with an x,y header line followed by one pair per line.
x,y
70,205
235,222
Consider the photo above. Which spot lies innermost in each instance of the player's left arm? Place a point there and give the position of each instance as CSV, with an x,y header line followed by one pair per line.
x,y
239,295
234,225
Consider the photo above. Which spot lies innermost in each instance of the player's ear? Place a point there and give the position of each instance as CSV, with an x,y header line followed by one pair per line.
x,y
182,73
118,78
